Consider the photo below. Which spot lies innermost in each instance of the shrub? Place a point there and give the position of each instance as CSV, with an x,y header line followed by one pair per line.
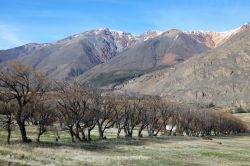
x,y
211,105
240,110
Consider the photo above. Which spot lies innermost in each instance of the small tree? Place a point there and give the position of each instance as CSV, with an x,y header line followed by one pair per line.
x,y
120,109
21,83
43,114
7,111
106,115
131,118
75,105
155,117
144,117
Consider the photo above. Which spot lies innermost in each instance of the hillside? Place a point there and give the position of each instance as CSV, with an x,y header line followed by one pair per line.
x,y
165,50
74,55
220,76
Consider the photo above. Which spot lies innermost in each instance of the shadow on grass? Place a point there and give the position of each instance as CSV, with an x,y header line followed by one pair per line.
x,y
111,143
9,163
240,135
95,145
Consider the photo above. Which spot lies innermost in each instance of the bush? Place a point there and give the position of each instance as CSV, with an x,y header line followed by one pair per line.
x,y
240,110
211,105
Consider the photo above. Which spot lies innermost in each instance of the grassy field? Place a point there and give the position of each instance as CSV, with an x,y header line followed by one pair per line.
x,y
163,150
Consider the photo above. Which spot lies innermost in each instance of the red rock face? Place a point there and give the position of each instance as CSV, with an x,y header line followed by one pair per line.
x,y
169,59
215,39
210,39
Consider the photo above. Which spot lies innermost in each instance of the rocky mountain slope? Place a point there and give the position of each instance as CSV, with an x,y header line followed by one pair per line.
x,y
164,49
116,52
74,55
220,76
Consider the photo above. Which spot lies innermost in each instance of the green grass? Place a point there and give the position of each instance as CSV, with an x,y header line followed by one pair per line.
x,y
118,77
114,78
162,150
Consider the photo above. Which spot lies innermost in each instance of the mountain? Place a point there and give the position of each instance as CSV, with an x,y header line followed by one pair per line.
x,y
214,39
164,49
193,67
114,55
149,35
74,55
220,76
18,52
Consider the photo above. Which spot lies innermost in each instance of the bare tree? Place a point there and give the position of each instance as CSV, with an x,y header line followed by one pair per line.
x,y
131,118
155,121
143,115
21,83
120,109
43,114
7,114
106,115
92,116
77,112
173,116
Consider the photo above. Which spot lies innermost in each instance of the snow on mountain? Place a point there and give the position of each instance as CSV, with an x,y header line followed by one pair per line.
x,y
85,50
215,39
149,35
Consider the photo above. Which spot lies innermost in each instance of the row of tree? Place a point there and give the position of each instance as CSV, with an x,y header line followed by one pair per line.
x,y
28,97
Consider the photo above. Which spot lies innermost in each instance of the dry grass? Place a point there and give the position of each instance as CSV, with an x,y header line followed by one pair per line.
x,y
163,150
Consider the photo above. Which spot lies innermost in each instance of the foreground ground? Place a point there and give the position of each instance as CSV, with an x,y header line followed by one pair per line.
x,y
163,150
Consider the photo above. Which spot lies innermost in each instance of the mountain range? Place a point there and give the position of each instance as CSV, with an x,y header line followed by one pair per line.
x,y
193,67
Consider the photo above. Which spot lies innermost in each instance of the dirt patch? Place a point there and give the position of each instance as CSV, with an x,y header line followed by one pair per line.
x,y
169,58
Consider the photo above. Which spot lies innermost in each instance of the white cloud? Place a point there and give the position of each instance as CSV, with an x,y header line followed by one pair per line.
x,y
9,36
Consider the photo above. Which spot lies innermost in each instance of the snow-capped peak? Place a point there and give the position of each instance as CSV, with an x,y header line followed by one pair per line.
x,y
230,32
211,39
150,34
214,39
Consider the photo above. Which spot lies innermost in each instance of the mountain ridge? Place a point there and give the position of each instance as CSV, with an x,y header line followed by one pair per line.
x,y
220,76
73,56
168,48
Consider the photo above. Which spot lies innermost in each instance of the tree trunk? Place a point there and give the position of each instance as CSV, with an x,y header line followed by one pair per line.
x,y
72,135
78,137
23,132
100,131
38,137
129,132
89,137
9,134
9,121
57,136
125,130
83,135
150,130
77,133
140,131
158,130
119,131
41,131
21,125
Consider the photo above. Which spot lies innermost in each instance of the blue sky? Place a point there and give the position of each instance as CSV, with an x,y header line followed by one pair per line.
x,y
25,21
